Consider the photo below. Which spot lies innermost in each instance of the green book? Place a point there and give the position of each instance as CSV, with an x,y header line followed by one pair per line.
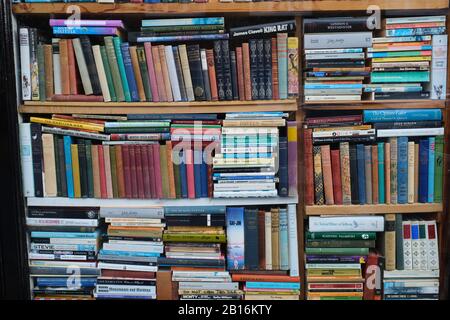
x,y
90,173
126,89
137,130
189,237
112,157
438,168
176,175
341,235
109,79
164,171
325,243
114,67
411,76
41,68
144,72
57,166
338,251
390,54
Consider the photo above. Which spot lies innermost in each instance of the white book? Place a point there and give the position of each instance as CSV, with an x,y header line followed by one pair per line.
x,y
243,186
186,72
49,166
136,220
245,194
333,98
399,274
415,19
133,247
245,174
105,1
347,223
410,132
46,263
407,246
292,240
172,73
399,39
130,212
343,133
408,283
411,155
138,290
415,245
249,130
25,64
153,243
438,76
82,66
424,64
423,246
256,181
197,285
26,159
210,274
61,222
433,246
101,73
129,267
56,67
59,247
324,92
332,51
247,150
268,239
335,56
337,40
137,224
45,256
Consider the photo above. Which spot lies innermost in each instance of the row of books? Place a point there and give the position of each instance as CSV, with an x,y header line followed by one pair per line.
x,y
113,1
402,164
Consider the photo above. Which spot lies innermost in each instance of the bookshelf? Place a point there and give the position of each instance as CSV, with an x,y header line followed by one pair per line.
x,y
41,11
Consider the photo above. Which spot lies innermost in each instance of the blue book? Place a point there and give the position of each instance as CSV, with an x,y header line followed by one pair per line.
x,y
197,173
361,173
120,63
182,210
333,86
125,48
381,182
273,285
283,239
405,89
95,31
402,170
181,21
68,161
65,282
183,177
251,239
129,253
390,115
235,238
423,170
220,176
414,31
431,164
152,1
204,178
49,234
198,37
283,173
264,155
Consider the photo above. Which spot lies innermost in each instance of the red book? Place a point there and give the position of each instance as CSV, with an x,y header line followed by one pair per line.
x,y
151,171
212,74
133,173
246,64
196,122
151,71
101,167
275,91
210,181
335,119
126,170
136,1
309,174
139,173
72,68
190,173
373,281
240,73
336,171
145,171
128,274
157,171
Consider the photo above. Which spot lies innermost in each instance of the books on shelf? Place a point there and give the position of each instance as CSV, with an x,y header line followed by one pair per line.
x,y
379,157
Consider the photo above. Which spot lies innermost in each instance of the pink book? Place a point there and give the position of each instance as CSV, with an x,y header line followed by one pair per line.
x,y
157,171
151,71
134,184
158,71
151,171
101,166
190,173
145,171
139,173
109,190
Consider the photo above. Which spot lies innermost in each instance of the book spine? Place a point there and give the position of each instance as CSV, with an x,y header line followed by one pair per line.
x,y
431,168
411,153
36,153
151,72
25,64
368,173
170,60
26,157
284,240
318,177
407,245
235,238
283,174
254,68
179,72
433,247
48,151
402,170
293,68
336,176
218,56
275,86
234,76
89,58
137,73
292,157
144,73
57,66
327,175
416,172
101,73
73,80
82,68
108,74
251,239
399,242
293,240
64,58
268,239
268,69
165,72
354,174
34,66
114,66
42,72
438,81
346,182
212,74
394,170
76,171
261,240
206,80
260,74
48,62
438,168
387,172
121,68
186,72
95,171
375,190
361,173
275,239
193,52
282,48
226,65
381,170
129,71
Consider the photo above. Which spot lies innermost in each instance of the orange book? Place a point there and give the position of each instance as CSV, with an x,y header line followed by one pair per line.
x,y
159,78
246,63
64,58
48,62
72,68
327,174
263,277
212,74
170,174
165,72
96,171
119,172
137,73
375,174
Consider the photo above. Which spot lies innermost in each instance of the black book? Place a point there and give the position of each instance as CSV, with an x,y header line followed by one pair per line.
x,y
283,173
197,220
60,229
57,165
206,84
261,74
268,68
83,168
407,125
370,138
234,80
336,24
354,174
180,77
243,169
155,239
251,246
90,174
254,68
226,65
263,29
218,62
333,124
90,62
163,261
401,95
62,213
195,65
36,151
61,160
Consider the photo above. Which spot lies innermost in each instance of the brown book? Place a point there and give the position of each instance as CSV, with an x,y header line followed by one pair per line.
x,y
76,98
107,159
170,173
212,74
165,287
64,58
137,73
126,171
275,239
95,171
158,72
389,241
276,94
48,62
49,165
387,171
309,170
240,73
75,169
210,181
119,172
133,174
336,174
128,274
246,63
375,199
72,68
344,152
416,172
165,73
145,171
112,157
262,239
327,174
139,172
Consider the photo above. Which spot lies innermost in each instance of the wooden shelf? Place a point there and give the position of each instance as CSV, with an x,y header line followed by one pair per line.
x,y
90,202
373,209
156,107
380,104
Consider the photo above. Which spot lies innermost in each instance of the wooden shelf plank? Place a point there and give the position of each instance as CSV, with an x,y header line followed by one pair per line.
x,y
380,104
49,107
214,6
373,209
90,202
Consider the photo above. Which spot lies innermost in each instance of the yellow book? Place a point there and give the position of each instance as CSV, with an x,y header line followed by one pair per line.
x,y
68,124
193,229
335,294
401,59
76,171
334,272
362,127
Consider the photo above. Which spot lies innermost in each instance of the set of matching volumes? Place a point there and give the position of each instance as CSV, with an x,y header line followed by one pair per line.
x,y
383,156
410,60
63,252
338,257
